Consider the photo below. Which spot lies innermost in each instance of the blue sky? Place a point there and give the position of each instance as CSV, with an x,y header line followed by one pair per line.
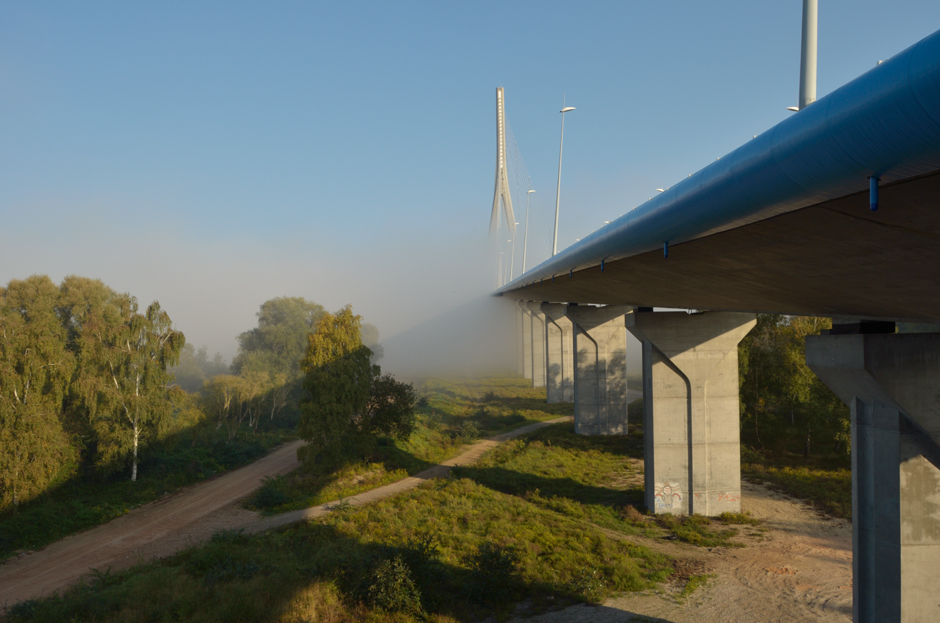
x,y
214,155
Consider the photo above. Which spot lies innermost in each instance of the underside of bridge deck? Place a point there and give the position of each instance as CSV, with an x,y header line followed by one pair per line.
x,y
836,259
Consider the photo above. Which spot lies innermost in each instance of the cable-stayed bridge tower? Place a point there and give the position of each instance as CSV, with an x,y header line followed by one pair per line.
x,y
501,192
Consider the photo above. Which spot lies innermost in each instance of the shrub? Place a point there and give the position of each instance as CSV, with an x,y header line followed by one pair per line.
x,y
468,432
589,584
271,493
494,572
393,588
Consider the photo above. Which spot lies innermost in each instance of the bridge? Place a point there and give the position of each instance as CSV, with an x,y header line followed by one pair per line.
x,y
833,212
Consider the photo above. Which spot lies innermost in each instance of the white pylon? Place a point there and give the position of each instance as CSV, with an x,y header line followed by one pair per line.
x,y
502,174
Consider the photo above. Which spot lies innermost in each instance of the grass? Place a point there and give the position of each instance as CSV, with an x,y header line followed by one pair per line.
x,y
593,479
82,503
450,550
829,490
540,522
695,582
451,415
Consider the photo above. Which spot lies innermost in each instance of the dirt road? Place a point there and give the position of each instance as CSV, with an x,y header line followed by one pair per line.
x,y
155,529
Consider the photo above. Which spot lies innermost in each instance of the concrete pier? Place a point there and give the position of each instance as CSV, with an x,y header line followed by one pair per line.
x,y
517,329
691,412
538,344
890,382
600,369
559,342
526,339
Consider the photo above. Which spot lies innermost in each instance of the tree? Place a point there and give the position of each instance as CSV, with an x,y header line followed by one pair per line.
x,y
35,368
783,403
347,401
370,339
279,342
123,376
195,367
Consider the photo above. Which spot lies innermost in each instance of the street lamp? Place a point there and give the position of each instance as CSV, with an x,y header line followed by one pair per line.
x,y
558,191
525,236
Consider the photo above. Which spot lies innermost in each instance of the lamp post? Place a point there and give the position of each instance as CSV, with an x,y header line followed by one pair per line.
x,y
558,191
525,236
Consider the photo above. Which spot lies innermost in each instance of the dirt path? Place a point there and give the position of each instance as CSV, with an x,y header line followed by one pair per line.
x,y
166,526
801,571
152,530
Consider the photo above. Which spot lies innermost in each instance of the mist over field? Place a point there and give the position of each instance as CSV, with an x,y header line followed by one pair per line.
x,y
212,285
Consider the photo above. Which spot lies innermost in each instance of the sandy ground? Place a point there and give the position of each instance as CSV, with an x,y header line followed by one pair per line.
x,y
188,517
800,571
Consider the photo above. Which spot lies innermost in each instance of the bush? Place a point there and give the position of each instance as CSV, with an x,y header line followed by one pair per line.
x,y
272,493
468,432
393,588
494,572
588,583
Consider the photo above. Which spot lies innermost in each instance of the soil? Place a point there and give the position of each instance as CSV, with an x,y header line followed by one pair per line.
x,y
797,565
800,569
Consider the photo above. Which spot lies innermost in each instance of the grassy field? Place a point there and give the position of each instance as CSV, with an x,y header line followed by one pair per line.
x,y
543,521
85,502
451,415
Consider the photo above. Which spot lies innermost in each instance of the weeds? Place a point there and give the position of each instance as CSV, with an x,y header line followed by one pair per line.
x,y
828,489
694,583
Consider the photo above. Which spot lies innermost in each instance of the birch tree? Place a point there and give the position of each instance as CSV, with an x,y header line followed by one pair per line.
x,y
123,375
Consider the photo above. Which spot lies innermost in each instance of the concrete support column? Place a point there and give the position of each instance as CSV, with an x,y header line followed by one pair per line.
x,y
526,339
890,382
691,410
559,341
518,327
538,344
600,369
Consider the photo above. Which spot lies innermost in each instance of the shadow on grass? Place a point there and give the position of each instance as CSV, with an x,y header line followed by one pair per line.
x,y
522,485
306,571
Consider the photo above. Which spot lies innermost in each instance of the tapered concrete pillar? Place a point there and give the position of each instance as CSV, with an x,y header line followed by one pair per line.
x,y
526,326
518,329
891,383
691,411
559,342
538,344
600,369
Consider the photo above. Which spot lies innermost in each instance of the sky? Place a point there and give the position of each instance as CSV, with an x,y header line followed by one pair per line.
x,y
214,155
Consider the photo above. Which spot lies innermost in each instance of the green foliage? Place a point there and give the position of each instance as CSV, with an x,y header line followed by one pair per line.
x,y
348,402
827,487
377,562
195,367
784,405
589,583
277,345
694,583
173,462
451,410
495,569
393,589
35,370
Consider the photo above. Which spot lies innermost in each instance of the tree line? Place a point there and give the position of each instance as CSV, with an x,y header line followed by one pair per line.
x,y
88,380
